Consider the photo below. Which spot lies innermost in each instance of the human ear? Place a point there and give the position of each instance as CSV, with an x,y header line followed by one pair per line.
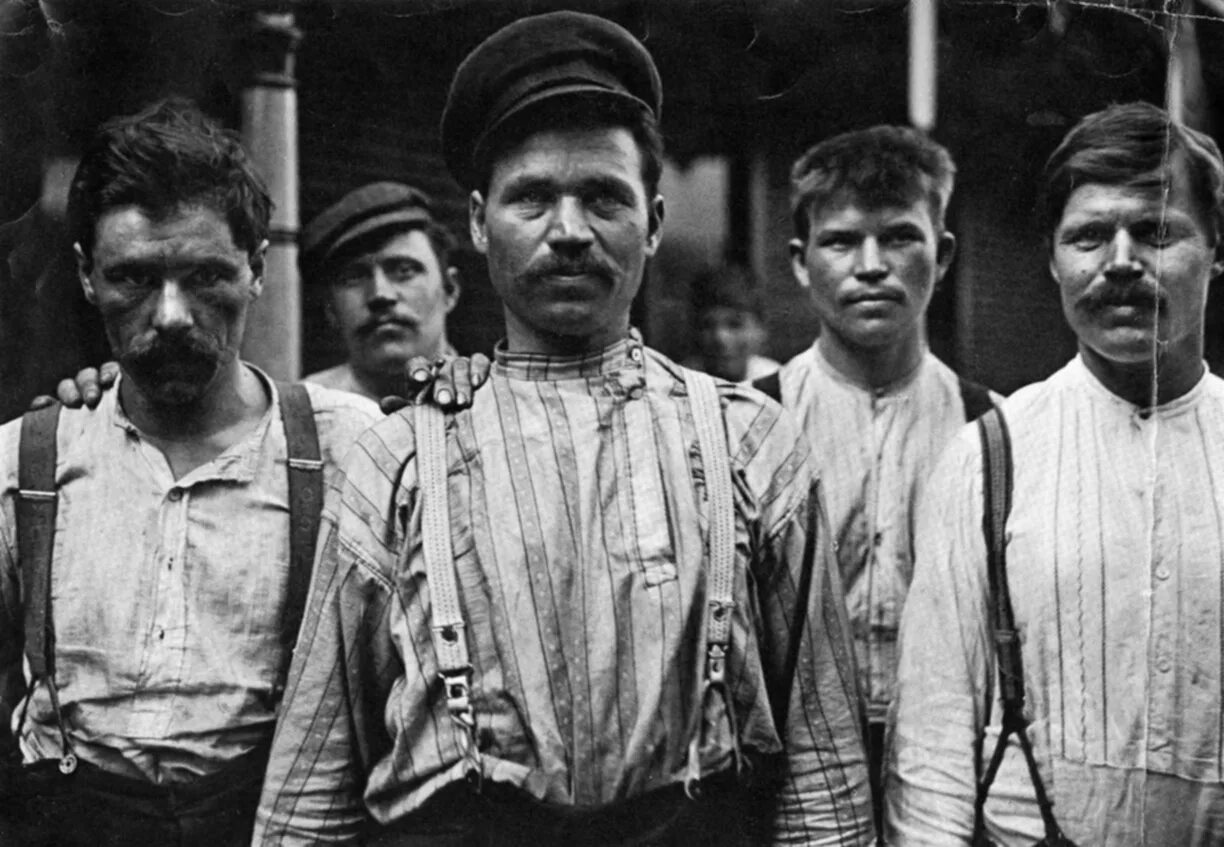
x,y
84,268
476,222
798,257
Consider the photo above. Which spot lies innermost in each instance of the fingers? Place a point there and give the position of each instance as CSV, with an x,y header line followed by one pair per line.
x,y
42,401
107,374
420,372
87,383
481,365
68,394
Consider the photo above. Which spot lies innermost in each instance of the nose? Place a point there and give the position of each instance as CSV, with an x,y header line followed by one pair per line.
x,y
380,291
870,265
570,226
1122,261
173,308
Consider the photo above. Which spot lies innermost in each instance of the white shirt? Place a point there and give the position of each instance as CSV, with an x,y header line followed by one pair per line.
x,y
166,593
873,448
1115,559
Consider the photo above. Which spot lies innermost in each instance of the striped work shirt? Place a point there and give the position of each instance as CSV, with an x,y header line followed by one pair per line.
x,y
166,593
576,519
1115,557
872,449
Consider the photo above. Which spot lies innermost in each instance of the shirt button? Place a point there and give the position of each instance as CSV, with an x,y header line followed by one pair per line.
x,y
635,393
1164,664
635,353
1162,572
175,494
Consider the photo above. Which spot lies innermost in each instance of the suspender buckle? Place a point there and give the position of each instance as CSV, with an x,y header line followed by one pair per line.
x,y
716,664
458,687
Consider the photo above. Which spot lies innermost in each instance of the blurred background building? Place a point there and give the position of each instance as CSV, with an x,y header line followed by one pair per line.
x,y
334,93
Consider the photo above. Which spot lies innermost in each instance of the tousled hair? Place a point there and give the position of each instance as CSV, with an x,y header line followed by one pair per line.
x,y
878,167
161,158
576,113
1133,144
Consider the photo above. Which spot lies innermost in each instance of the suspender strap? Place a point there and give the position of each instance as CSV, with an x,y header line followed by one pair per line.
x,y
36,504
975,398
997,493
449,636
720,521
305,507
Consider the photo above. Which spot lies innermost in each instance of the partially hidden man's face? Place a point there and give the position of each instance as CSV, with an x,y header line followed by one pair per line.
x,y
726,337
870,270
391,304
1133,265
567,227
173,291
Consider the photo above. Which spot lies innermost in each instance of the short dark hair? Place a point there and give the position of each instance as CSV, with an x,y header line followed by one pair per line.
x,y
1132,144
160,158
882,166
729,286
440,238
576,113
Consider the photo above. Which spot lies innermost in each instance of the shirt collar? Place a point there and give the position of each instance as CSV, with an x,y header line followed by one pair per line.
x,y
897,386
625,354
239,463
1166,410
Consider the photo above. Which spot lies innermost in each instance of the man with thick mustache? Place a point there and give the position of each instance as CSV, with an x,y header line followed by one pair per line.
x,y
385,263
577,612
182,514
1114,546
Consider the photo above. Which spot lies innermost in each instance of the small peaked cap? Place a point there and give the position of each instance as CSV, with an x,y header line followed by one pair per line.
x,y
559,54
372,207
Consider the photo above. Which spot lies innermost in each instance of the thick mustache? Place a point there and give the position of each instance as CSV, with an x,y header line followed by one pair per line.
x,y
380,320
560,267
1123,294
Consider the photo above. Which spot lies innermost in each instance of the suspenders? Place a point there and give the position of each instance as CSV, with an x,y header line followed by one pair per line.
x,y
36,508
449,637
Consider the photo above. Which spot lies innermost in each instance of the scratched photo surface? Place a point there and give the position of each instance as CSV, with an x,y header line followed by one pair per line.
x,y
333,94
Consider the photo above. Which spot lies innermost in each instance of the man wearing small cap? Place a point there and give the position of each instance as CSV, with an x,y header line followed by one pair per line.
x,y
385,263
611,517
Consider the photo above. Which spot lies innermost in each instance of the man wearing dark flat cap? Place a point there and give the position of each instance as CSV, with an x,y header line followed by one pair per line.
x,y
592,605
384,261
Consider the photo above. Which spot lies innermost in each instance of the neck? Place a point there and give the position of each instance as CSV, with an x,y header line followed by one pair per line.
x,y
1153,382
520,339
234,396
874,367
377,383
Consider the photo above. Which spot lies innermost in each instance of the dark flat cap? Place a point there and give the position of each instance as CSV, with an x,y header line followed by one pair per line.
x,y
379,205
559,54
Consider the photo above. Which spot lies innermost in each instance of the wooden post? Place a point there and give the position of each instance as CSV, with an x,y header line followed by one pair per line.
x,y
269,131
923,35
1185,91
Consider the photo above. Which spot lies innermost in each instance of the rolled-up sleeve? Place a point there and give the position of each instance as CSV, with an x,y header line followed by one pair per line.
x,y
943,679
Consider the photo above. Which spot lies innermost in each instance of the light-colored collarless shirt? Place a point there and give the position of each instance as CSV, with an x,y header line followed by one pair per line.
x,y
1115,557
166,594
576,521
873,448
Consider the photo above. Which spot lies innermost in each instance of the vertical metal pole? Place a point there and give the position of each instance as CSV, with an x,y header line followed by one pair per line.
x,y
923,32
269,130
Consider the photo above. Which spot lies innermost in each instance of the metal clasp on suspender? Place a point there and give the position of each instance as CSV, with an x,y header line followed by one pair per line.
x,y
712,442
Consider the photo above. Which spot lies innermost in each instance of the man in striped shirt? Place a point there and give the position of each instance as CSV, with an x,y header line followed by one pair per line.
x,y
1115,540
876,405
580,508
